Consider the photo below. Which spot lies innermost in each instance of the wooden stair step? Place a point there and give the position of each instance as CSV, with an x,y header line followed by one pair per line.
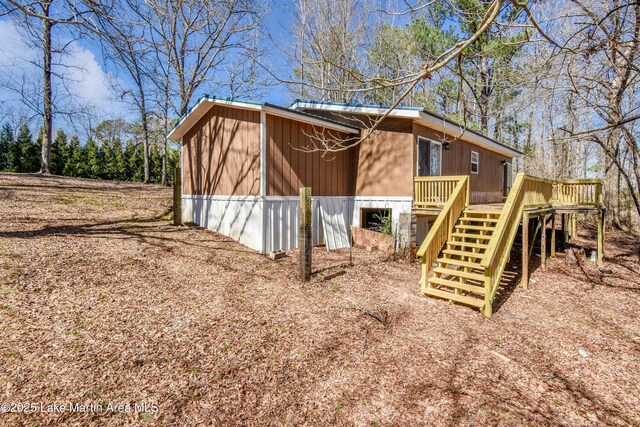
x,y
474,302
478,219
463,253
485,213
461,263
466,244
459,273
475,227
471,236
458,285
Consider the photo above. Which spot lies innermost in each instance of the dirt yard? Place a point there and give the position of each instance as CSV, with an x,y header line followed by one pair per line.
x,y
103,301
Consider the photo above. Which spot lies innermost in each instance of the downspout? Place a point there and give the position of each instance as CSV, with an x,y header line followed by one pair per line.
x,y
263,176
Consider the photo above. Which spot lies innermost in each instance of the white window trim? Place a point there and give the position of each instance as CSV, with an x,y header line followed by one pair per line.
x,y
430,141
477,163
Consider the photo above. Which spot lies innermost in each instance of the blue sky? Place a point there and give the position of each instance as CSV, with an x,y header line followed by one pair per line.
x,y
88,78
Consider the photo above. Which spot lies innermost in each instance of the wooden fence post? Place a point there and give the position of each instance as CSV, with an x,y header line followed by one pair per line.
x,y
177,197
304,235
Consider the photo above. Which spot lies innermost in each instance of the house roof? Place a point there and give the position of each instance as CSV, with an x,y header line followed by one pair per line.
x,y
417,114
206,102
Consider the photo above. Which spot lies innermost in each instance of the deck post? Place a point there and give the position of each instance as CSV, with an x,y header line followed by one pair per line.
x,y
553,234
565,234
543,241
525,250
177,197
487,309
600,223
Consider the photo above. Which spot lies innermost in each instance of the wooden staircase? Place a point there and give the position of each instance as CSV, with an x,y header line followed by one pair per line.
x,y
471,248
460,276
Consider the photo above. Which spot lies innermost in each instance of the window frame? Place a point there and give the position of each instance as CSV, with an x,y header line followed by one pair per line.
x,y
477,162
430,143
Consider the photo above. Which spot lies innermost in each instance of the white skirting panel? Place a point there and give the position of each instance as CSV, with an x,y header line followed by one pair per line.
x,y
239,217
282,216
271,223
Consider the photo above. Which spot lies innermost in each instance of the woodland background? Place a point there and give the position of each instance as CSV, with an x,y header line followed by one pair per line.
x,y
557,80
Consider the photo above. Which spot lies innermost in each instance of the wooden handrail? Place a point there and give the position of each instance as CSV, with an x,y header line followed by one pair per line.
x,y
440,231
527,192
577,192
430,191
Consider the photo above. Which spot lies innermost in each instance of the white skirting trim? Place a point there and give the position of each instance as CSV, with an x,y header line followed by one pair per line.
x,y
271,223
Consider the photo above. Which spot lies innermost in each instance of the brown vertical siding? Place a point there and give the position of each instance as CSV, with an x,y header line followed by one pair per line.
x,y
221,153
221,156
486,186
290,167
384,161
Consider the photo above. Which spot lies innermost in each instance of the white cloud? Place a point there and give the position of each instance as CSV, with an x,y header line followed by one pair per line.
x,y
83,79
87,80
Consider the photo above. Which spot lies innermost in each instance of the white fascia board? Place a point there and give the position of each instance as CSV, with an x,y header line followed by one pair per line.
x,y
201,108
421,117
457,131
377,111
311,120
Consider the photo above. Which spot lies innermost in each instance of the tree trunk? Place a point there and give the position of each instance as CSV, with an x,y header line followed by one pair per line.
x,y
145,140
47,94
485,93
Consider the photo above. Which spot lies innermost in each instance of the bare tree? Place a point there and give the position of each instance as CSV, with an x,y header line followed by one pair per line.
x,y
600,53
194,37
123,38
48,14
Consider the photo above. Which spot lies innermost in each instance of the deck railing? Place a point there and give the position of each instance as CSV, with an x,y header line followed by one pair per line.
x,y
440,231
577,192
432,191
527,191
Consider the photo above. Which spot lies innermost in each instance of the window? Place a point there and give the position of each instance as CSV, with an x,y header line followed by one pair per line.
x,y
429,158
436,159
475,162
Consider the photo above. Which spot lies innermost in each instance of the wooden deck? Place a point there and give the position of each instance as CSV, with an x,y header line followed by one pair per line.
x,y
471,244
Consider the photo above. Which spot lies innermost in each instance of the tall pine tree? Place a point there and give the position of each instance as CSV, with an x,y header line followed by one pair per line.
x,y
59,153
76,164
6,145
95,160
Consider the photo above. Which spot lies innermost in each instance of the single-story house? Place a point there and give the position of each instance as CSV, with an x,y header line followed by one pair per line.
x,y
243,163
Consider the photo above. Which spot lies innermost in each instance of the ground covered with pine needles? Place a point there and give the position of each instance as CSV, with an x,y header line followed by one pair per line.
x,y
103,301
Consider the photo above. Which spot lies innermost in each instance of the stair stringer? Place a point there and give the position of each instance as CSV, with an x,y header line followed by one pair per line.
x,y
504,259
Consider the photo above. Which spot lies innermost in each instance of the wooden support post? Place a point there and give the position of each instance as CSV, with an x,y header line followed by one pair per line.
x,y
553,234
304,235
600,223
565,233
487,309
543,241
177,197
525,250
